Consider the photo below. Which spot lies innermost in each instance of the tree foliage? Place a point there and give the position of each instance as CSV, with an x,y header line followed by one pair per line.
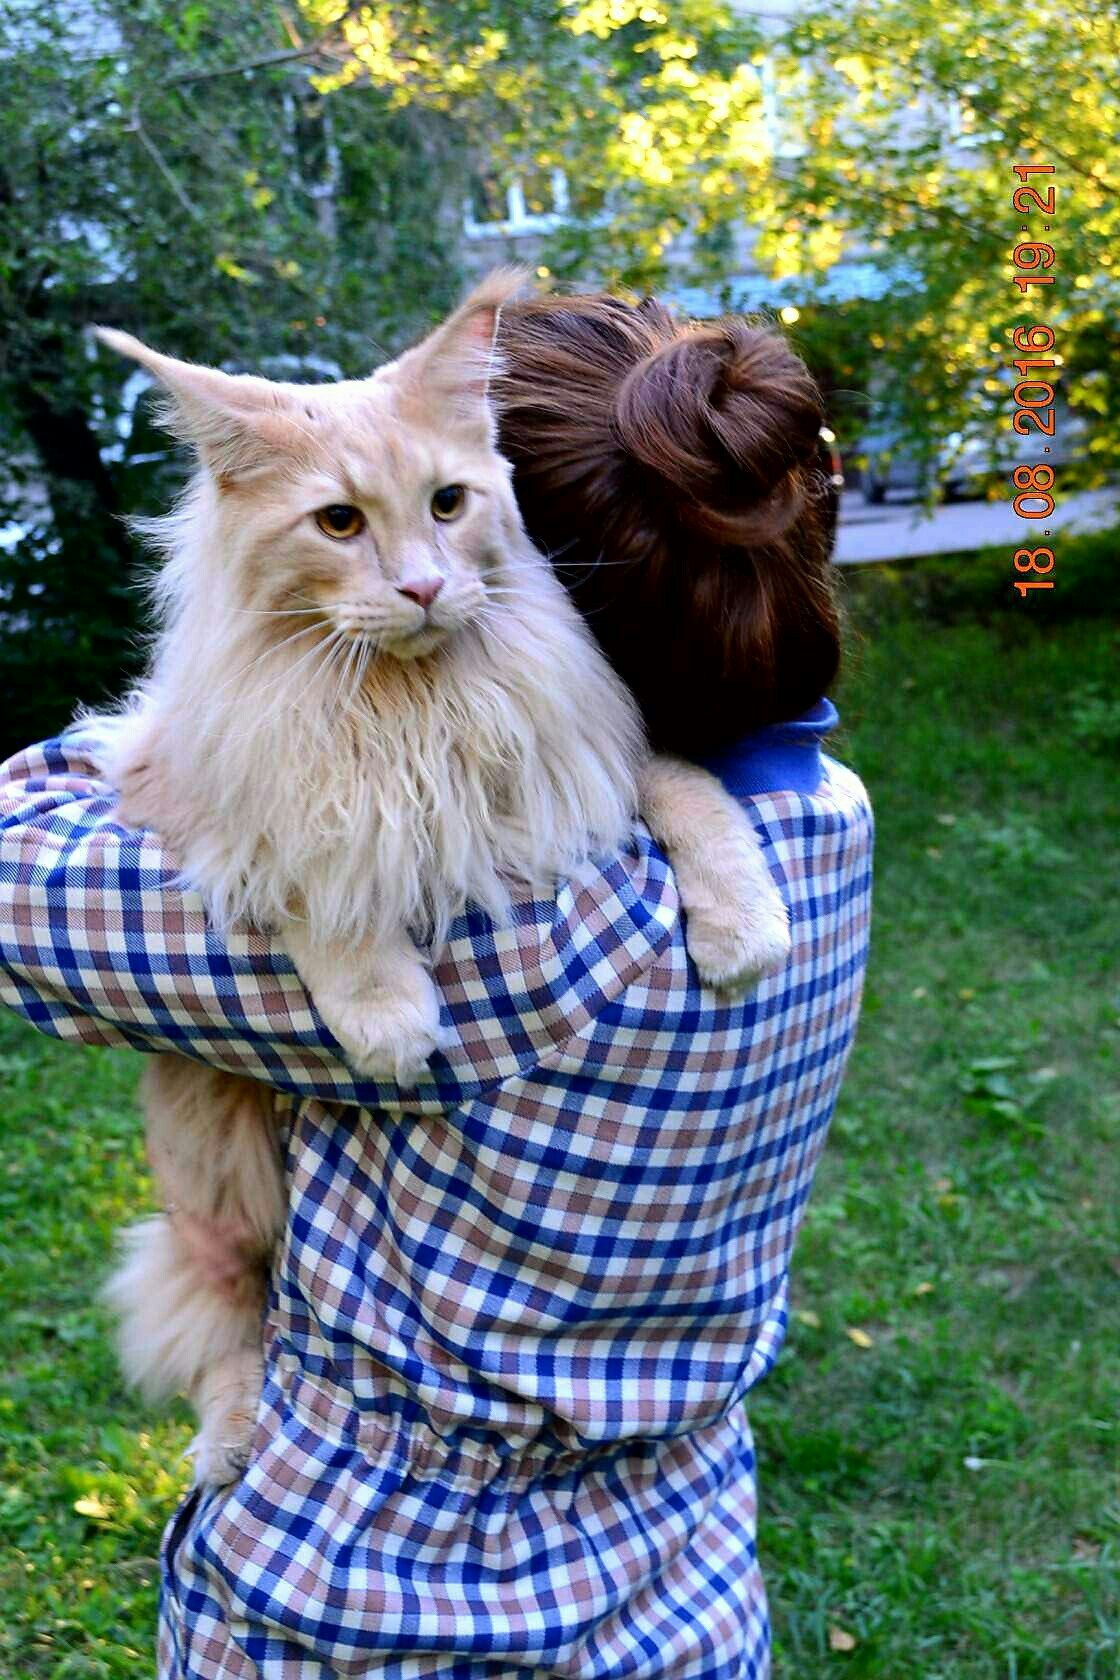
x,y
148,179
914,114
245,183
874,134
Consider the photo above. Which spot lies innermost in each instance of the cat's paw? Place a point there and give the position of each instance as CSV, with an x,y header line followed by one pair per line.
x,y
391,1039
228,1398
218,1461
731,952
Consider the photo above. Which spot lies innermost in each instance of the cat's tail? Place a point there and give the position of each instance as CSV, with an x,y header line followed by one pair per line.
x,y
176,1320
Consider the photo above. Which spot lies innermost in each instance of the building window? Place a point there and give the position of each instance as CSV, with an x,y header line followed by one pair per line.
x,y
783,130
533,202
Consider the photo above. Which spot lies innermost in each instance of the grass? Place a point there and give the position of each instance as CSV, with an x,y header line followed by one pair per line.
x,y
939,1441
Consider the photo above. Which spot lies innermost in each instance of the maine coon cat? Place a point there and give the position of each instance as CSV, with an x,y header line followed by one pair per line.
x,y
370,703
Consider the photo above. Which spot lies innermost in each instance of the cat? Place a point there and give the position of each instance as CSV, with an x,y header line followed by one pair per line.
x,y
370,703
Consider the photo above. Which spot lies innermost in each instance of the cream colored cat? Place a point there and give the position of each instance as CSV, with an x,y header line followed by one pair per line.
x,y
370,703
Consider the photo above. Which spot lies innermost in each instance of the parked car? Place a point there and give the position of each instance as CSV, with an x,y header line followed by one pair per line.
x,y
965,463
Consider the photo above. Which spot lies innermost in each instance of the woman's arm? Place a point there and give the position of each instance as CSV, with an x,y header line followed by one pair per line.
x,y
100,943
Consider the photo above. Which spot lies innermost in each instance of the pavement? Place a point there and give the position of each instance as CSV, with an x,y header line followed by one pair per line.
x,y
900,528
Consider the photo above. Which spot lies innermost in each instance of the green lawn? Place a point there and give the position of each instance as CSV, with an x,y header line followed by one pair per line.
x,y
939,1442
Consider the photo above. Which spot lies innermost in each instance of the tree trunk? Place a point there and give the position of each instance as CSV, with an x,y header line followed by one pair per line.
x,y
80,488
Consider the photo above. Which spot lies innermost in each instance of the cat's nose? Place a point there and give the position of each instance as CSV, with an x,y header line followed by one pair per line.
x,y
421,590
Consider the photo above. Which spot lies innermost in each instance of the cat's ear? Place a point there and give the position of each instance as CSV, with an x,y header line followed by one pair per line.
x,y
452,370
236,422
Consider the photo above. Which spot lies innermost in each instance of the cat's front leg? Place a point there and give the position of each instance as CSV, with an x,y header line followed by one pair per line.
x,y
737,925
377,998
226,1399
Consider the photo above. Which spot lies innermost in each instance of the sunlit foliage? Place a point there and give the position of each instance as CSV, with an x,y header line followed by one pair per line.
x,y
704,138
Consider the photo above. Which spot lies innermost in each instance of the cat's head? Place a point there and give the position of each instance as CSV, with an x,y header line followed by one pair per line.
x,y
379,507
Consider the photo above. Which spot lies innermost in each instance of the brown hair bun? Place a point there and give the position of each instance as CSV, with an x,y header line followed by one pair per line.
x,y
672,473
724,414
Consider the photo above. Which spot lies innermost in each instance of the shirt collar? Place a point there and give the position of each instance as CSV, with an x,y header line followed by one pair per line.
x,y
782,758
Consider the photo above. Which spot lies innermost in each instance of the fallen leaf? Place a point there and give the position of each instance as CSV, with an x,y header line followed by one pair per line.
x,y
811,1320
946,818
965,993
942,1185
1087,1550
91,1506
933,851
839,1639
858,1336
919,992
923,1288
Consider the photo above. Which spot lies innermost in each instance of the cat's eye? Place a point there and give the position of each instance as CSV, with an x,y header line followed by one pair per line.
x,y
340,521
449,501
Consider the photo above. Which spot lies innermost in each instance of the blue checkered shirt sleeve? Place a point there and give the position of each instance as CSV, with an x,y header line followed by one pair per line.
x,y
101,943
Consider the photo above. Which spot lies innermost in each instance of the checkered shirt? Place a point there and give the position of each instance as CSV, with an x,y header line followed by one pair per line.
x,y
516,1310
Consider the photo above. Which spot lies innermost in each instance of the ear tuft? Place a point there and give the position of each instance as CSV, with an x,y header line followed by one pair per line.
x,y
492,293
125,345
236,422
455,366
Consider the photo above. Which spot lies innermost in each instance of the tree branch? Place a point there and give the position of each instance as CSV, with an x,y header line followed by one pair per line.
x,y
285,55
136,127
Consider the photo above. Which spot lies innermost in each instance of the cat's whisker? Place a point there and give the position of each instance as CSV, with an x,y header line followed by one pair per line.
x,y
289,671
333,666
353,698
553,554
590,566
326,650
276,647
331,671
506,592
340,698
497,613
497,609
490,624
276,612
368,654
336,651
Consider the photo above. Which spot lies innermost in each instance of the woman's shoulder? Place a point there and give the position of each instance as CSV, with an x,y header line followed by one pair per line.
x,y
613,939
517,991
834,819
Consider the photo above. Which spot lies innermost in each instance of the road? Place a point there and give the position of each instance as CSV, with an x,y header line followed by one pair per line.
x,y
898,529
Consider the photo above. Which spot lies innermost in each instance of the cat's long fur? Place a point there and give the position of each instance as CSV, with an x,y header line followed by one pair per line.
x,y
349,792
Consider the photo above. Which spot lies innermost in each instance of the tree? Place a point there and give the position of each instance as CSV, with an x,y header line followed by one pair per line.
x,y
880,130
914,114
243,182
147,180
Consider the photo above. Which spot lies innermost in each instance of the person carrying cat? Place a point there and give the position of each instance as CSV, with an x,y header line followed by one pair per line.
x,y
518,1307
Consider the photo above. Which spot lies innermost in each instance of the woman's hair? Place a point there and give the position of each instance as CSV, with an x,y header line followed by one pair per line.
x,y
674,476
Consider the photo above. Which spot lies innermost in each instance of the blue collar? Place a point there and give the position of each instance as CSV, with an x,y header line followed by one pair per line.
x,y
782,758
